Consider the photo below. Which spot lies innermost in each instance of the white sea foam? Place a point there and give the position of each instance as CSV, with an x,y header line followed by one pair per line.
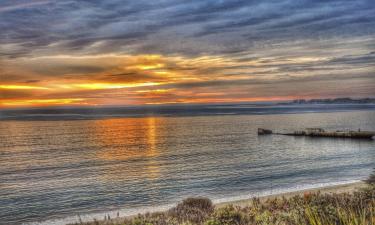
x,y
136,211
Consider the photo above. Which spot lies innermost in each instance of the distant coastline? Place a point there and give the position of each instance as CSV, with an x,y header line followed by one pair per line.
x,y
334,101
295,106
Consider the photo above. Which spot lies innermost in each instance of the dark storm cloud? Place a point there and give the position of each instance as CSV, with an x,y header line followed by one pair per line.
x,y
168,26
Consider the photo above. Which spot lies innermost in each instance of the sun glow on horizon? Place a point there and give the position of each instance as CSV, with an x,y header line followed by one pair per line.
x,y
22,87
43,102
220,57
162,79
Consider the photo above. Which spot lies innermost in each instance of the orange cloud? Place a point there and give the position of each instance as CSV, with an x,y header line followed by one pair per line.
x,y
99,86
21,87
43,102
155,79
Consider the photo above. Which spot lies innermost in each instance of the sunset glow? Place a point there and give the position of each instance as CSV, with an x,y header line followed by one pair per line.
x,y
22,87
42,102
99,86
230,56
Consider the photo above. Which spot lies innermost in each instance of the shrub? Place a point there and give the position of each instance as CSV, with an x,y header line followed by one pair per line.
x,y
227,216
371,179
357,208
194,210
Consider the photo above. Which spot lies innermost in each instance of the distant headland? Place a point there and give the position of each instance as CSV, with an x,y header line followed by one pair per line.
x,y
334,101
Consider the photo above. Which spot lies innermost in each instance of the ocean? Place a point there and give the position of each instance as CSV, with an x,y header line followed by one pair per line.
x,y
62,165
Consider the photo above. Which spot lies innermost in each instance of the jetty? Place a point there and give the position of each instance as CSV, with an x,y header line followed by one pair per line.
x,y
319,132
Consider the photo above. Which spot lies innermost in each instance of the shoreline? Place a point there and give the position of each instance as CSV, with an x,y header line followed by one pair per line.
x,y
349,187
329,189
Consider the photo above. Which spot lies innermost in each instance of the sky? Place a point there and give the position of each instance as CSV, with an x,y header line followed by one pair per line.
x,y
119,52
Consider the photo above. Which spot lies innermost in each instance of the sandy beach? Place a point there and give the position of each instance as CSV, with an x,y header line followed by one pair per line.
x,y
342,188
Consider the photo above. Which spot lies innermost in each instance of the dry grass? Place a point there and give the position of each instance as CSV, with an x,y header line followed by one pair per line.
x,y
310,209
357,208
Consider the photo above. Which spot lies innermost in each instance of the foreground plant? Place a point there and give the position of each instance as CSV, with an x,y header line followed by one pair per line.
x,y
310,209
371,180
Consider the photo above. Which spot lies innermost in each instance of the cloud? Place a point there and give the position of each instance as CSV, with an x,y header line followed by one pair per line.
x,y
14,94
167,27
8,6
196,50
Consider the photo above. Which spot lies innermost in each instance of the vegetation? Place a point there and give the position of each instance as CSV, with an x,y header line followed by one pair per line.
x,y
371,180
357,208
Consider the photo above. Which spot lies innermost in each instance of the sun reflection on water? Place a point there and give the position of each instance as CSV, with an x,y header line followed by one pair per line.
x,y
130,139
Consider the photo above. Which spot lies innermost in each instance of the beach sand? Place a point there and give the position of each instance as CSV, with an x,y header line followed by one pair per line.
x,y
342,188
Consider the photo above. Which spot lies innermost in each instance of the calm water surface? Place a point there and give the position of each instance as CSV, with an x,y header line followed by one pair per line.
x,y
55,170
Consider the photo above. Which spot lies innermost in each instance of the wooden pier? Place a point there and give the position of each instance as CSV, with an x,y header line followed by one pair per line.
x,y
319,132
